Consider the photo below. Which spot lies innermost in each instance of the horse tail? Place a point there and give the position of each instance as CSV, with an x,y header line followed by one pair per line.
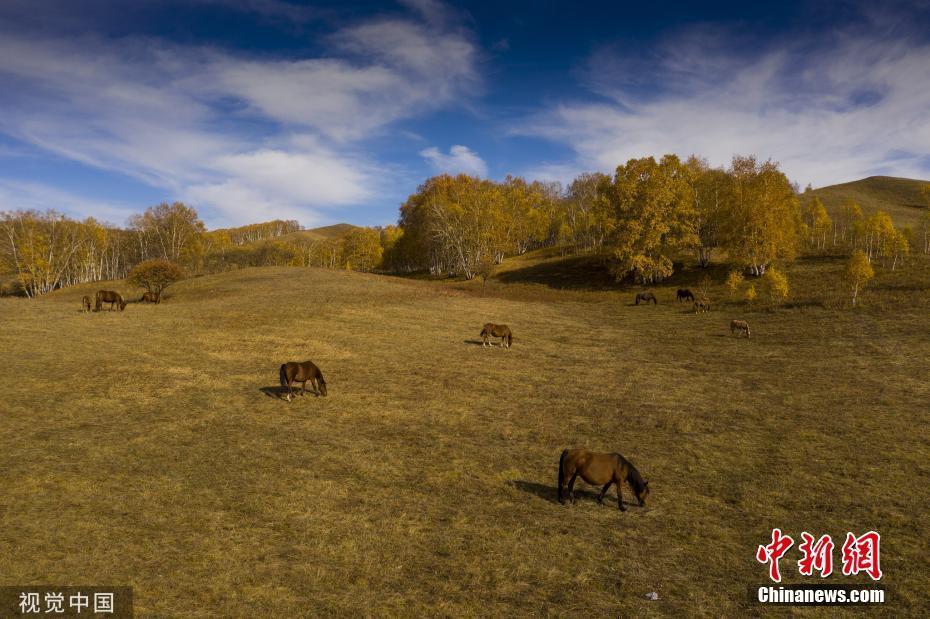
x,y
283,374
562,472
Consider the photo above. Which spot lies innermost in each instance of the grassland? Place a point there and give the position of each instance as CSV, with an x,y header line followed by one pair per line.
x,y
148,447
899,197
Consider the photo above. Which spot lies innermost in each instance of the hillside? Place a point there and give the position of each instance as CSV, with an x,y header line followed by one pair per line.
x,y
899,197
323,233
150,446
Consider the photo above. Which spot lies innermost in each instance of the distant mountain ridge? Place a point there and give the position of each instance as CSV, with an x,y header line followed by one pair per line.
x,y
899,197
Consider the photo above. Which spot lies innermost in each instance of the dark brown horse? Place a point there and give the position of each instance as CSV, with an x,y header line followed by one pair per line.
x,y
108,296
150,297
600,469
293,372
492,330
646,297
85,304
684,294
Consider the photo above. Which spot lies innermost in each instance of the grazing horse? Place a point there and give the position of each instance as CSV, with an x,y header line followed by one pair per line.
x,y
598,469
149,297
108,296
293,372
85,304
739,326
646,297
701,305
684,294
492,330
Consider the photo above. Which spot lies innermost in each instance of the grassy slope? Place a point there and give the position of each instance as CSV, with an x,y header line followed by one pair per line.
x,y
140,447
899,197
320,234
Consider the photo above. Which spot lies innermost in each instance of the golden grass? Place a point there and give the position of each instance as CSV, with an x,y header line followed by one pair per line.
x,y
139,447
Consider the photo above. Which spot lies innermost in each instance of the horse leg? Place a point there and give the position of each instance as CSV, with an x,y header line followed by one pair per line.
x,y
620,497
304,388
289,390
571,488
600,499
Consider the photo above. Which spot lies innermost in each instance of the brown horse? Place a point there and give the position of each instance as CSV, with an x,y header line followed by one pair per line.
x,y
150,297
701,305
646,297
597,469
293,372
492,330
85,304
739,326
684,294
108,296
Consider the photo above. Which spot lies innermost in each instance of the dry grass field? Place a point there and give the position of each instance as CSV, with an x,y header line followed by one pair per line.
x,y
149,447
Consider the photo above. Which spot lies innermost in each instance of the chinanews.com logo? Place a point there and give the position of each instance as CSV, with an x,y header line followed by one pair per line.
x,y
859,554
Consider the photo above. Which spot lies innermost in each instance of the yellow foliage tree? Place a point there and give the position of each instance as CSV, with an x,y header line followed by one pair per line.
x,y
734,281
763,215
654,216
858,272
775,285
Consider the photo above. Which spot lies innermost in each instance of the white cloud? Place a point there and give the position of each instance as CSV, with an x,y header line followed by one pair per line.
x,y
460,159
832,109
20,195
244,137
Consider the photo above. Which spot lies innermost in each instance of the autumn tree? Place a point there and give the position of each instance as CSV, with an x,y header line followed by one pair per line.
x,y
39,248
708,188
653,216
847,221
361,249
170,231
155,275
451,223
858,272
734,281
762,215
587,212
775,285
523,220
923,231
816,222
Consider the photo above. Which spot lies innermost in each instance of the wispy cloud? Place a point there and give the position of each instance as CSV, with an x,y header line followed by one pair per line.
x,y
246,137
460,159
830,106
20,195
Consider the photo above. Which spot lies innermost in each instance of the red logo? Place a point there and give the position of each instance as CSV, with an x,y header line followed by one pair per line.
x,y
773,552
859,554
817,555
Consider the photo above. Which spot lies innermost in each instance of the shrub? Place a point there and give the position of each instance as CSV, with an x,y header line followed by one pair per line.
x,y
775,285
734,281
155,275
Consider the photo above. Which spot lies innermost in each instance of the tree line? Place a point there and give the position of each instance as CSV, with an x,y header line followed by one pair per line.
x,y
640,221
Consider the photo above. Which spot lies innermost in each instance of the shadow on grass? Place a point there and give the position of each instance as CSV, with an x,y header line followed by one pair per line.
x,y
475,342
275,392
281,392
572,273
550,493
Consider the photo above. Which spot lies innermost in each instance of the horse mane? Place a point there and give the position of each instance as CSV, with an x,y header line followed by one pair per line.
x,y
633,478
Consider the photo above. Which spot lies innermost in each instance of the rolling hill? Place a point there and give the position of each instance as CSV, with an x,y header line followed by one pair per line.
x,y
899,197
323,233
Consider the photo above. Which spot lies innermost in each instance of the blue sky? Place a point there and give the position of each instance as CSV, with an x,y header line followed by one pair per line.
x,y
251,110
